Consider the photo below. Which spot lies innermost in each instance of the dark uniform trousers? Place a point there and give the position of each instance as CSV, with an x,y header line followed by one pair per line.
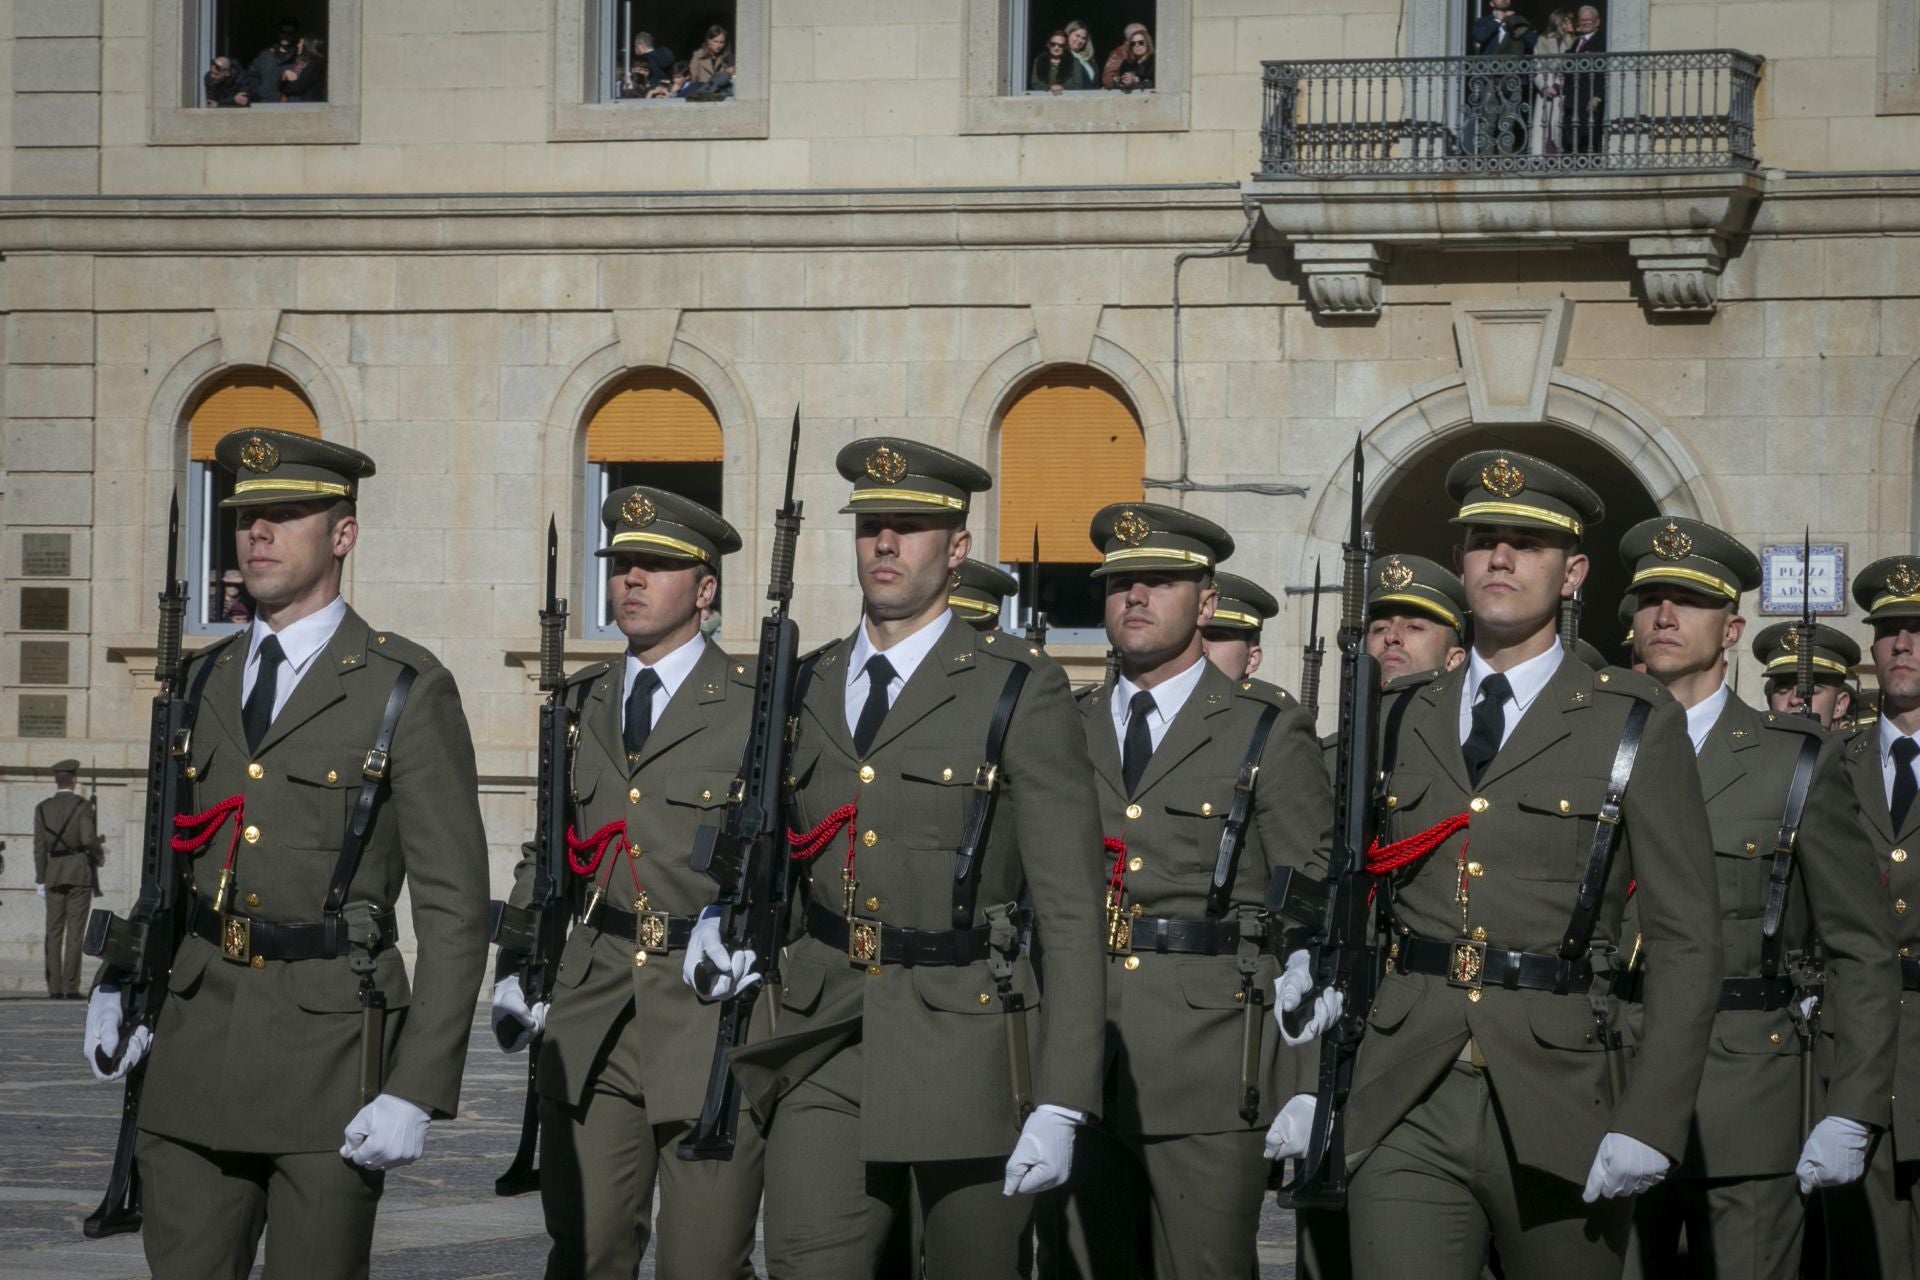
x,y
1749,1227
1872,1225
67,908
65,846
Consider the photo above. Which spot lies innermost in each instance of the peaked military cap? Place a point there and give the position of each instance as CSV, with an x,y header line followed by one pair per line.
x,y
892,476
1834,652
1499,486
1629,605
279,466
68,765
1889,588
1674,551
1244,605
1403,582
642,520
981,588
1138,537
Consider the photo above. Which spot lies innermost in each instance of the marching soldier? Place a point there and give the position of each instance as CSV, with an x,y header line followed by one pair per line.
x,y
626,1048
1835,654
303,723
67,852
1793,862
1188,852
896,1060
1880,757
1486,1090
1231,639
1416,617
983,587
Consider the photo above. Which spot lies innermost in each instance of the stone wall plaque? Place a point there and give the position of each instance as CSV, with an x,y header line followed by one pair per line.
x,y
46,555
43,662
43,715
44,608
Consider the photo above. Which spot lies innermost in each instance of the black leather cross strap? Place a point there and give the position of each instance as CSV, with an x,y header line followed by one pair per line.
x,y
1233,835
1606,837
625,925
373,777
274,940
1909,974
904,946
1513,970
1185,937
986,789
1781,874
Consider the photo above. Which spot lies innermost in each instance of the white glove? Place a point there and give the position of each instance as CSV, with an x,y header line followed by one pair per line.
x,y
1287,1135
1044,1154
1835,1154
103,1035
1290,988
514,1025
40,890
736,967
385,1134
1623,1167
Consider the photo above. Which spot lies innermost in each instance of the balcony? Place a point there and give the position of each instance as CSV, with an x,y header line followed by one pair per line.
x,y
1361,156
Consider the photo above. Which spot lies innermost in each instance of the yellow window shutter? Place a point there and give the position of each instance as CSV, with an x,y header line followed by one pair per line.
x,y
248,398
1070,443
656,415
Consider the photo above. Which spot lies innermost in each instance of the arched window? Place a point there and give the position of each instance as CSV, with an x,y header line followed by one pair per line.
x,y
655,427
217,601
1070,443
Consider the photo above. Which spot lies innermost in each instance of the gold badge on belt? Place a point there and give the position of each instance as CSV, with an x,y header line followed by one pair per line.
x,y
863,940
650,931
1467,963
236,938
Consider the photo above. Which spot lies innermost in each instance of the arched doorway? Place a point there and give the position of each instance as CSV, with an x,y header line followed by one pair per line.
x,y
1410,511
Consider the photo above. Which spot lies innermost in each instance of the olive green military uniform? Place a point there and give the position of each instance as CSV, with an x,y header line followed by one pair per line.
x,y
1477,1108
255,1066
66,858
1177,1019
977,597
1732,1202
878,1077
1882,1207
627,1048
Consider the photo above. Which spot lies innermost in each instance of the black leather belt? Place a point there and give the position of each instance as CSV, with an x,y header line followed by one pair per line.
x,y
245,940
1472,965
657,931
871,942
1756,993
1185,937
1909,974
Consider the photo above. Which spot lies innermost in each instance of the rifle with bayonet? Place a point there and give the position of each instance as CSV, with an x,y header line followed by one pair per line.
x,y
531,937
1570,607
1036,620
747,854
1314,655
1806,968
139,949
1333,916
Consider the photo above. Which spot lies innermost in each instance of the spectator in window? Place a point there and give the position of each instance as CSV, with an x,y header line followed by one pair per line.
x,y
678,84
1057,70
650,67
306,79
273,60
1080,45
1130,67
713,58
227,85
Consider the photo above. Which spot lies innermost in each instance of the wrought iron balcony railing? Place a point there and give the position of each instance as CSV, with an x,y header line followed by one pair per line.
x,y
1499,116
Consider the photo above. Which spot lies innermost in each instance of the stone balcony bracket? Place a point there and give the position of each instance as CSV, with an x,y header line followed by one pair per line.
x,y
1679,273
1345,278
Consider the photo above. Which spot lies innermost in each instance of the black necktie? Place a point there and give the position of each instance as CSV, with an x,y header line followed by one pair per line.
x,y
1904,750
1138,748
879,675
258,713
640,711
1489,722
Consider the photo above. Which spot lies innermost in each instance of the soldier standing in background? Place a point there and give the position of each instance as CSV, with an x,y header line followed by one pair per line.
x,y
982,589
67,851
1231,638
1416,617
1834,657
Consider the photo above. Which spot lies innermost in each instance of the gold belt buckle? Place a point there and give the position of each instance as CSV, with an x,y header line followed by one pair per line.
x,y
236,938
1119,931
650,932
1467,964
863,940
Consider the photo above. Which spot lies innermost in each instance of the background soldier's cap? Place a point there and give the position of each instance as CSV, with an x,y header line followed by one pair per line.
x,y
1889,588
1499,486
1778,648
1629,605
1244,605
1590,655
982,588
68,765
1401,583
892,476
278,466
1145,537
1673,551
646,521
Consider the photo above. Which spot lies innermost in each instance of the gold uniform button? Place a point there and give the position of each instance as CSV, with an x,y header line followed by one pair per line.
x,y
1206,809
1475,869
1774,1038
706,794
332,776
1899,906
1898,855
192,773
866,773
255,772
1904,951
946,775
251,835
1133,812
258,962
873,904
873,971
1239,997
870,839
633,796
1566,806
1130,963
1136,862
253,899
640,959
985,998
1473,995
1479,933
633,850
1479,804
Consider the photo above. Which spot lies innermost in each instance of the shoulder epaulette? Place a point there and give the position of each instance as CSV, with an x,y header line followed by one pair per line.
x,y
1792,724
1629,683
1412,680
592,671
1262,691
1862,728
1086,691
399,649
813,654
1013,648
740,669
217,646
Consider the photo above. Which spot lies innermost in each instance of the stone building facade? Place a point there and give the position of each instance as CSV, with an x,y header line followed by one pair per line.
x,y
456,259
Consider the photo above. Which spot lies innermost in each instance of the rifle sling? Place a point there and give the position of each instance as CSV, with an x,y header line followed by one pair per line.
x,y
986,789
1389,757
372,776
1781,875
1233,835
1606,837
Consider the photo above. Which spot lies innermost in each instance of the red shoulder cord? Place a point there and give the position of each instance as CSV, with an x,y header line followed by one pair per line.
x,y
598,843
804,847
1385,858
1117,878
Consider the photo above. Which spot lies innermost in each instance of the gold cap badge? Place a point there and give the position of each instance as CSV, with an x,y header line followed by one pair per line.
x,y
1132,528
1501,478
1395,575
1790,642
259,455
886,466
638,509
1672,543
1904,580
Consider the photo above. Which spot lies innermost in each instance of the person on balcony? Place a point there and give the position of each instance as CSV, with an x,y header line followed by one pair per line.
x,y
1080,45
1548,135
1586,89
1130,67
1495,118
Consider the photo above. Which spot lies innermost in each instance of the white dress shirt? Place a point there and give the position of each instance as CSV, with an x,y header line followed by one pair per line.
x,y
906,657
1888,736
1527,680
300,641
673,671
1168,697
1702,715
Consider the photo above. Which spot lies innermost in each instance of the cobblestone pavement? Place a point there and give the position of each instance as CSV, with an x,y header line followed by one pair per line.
x,y
439,1219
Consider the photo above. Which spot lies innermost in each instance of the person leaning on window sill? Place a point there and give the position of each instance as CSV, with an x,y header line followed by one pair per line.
x,y
1130,67
1056,70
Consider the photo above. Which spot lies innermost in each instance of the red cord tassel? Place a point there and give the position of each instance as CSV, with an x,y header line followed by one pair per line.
x,y
596,843
1382,859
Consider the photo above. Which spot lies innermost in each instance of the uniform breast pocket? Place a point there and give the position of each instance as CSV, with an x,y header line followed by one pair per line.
x,y
318,799
586,778
938,779
1742,861
698,789
1555,832
1407,794
1202,811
